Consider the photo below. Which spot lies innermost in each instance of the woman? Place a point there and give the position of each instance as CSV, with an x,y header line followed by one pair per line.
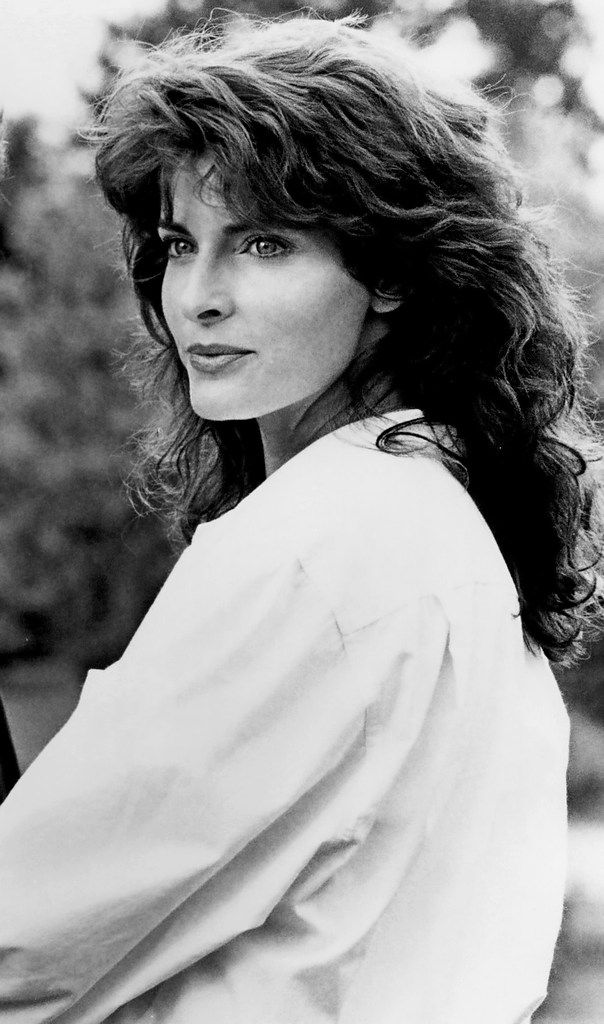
x,y
325,782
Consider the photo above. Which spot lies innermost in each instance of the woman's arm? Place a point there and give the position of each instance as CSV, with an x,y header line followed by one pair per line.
x,y
135,828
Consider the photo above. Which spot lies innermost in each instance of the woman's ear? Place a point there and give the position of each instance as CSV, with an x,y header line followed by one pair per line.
x,y
384,302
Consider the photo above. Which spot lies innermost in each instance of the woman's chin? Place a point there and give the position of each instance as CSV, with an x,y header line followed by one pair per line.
x,y
222,409
214,403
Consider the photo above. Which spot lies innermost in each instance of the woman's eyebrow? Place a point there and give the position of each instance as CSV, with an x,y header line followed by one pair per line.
x,y
170,225
234,228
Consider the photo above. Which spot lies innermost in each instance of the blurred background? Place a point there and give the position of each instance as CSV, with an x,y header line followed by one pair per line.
x,y
78,568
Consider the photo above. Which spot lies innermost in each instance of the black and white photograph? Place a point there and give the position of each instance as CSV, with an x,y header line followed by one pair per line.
x,y
302,512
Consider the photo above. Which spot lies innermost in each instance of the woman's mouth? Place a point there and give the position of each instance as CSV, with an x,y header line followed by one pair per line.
x,y
213,358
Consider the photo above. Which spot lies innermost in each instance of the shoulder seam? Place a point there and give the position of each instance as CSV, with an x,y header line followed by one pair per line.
x,y
420,595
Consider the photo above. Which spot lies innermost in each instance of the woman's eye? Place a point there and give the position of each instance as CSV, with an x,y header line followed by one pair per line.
x,y
265,247
176,247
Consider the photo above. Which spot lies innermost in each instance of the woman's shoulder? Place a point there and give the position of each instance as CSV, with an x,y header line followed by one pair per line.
x,y
367,526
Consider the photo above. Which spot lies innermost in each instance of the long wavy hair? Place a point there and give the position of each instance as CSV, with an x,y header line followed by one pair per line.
x,y
322,124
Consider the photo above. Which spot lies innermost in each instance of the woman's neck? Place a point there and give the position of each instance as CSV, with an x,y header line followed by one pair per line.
x,y
286,432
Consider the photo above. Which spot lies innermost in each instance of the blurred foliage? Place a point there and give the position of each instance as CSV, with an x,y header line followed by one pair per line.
x,y
528,40
24,172
77,569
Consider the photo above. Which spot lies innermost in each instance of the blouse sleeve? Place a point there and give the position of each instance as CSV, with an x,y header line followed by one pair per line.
x,y
186,791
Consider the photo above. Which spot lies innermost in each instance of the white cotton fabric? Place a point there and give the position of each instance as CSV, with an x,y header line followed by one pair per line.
x,y
324,783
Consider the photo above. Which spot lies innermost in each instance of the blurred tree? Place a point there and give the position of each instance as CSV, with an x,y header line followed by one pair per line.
x,y
77,568
23,170
530,42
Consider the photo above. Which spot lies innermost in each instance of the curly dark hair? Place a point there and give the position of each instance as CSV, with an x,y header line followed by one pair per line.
x,y
322,124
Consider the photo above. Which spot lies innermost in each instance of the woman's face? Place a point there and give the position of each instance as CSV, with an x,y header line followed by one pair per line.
x,y
263,318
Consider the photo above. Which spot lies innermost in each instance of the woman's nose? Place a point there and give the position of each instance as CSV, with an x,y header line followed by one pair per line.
x,y
209,316
207,297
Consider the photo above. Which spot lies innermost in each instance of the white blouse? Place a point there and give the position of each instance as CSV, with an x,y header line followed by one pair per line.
x,y
324,783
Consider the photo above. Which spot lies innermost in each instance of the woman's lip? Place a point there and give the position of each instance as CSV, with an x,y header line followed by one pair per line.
x,y
210,363
216,350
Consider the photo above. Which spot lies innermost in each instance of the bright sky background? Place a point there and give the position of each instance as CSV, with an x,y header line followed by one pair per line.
x,y
48,50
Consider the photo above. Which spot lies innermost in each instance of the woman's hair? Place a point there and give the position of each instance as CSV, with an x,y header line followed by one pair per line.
x,y
322,124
